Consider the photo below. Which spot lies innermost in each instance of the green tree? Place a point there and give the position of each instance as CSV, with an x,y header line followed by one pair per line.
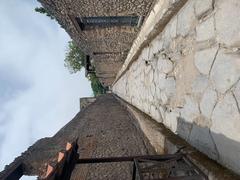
x,y
75,58
75,61
42,10
96,86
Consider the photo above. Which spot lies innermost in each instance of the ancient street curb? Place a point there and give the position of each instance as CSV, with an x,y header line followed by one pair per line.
x,y
164,141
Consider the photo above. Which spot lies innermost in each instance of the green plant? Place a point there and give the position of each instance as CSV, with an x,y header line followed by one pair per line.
x,y
75,58
96,86
75,61
42,10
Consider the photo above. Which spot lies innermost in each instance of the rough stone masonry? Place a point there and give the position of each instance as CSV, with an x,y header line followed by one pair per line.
x,y
188,76
107,47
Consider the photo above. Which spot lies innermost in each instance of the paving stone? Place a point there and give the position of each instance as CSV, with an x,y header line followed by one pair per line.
x,y
208,102
161,80
186,18
204,59
228,22
205,30
225,71
173,28
200,84
170,87
226,131
202,6
155,113
237,93
226,117
164,65
200,138
155,48
163,98
190,111
184,128
171,119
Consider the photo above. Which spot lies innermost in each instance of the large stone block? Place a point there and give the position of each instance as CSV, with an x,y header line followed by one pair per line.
x,y
186,19
171,119
226,131
155,114
170,87
225,71
208,102
237,93
228,22
164,65
204,59
161,78
190,111
200,137
206,30
199,84
173,27
226,118
184,128
202,6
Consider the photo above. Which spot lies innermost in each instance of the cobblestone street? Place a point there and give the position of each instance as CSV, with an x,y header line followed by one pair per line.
x,y
105,130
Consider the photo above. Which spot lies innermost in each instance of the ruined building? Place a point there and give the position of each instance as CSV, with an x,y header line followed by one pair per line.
x,y
104,30
174,70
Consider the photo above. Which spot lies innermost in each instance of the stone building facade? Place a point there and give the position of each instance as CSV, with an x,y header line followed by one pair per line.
x,y
187,75
107,46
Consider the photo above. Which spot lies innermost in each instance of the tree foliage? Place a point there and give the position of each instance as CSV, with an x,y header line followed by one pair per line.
x,y
42,10
75,61
75,58
96,86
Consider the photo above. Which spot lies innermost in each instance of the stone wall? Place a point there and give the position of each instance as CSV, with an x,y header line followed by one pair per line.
x,y
86,101
116,40
188,78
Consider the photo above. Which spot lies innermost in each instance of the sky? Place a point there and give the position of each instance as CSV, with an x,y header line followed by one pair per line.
x,y
37,93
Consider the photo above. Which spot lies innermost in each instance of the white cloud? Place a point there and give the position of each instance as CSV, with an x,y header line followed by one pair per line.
x,y
45,96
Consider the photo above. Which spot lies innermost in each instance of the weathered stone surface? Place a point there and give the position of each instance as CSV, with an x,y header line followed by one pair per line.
x,y
225,71
186,18
200,84
184,128
202,6
200,138
226,131
163,98
164,65
115,41
226,117
173,28
154,112
170,86
190,110
228,22
208,102
237,93
204,59
161,81
206,30
171,119
205,69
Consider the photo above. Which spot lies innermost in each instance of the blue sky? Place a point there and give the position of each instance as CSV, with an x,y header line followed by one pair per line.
x,y
37,93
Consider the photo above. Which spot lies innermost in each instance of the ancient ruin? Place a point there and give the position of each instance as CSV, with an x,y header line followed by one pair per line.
x,y
174,70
